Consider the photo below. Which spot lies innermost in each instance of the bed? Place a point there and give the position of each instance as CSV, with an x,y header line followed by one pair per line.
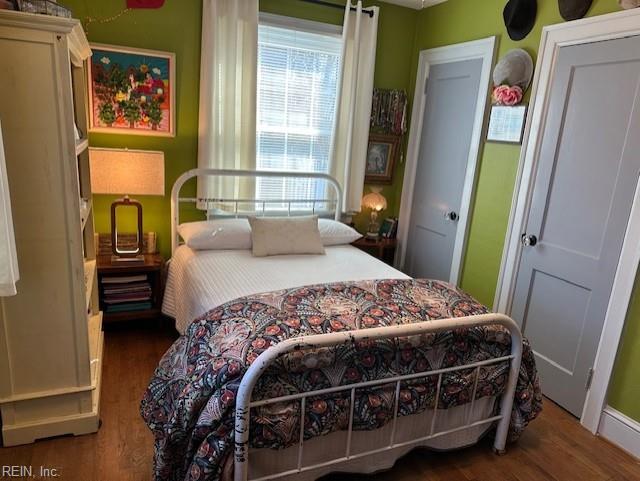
x,y
292,367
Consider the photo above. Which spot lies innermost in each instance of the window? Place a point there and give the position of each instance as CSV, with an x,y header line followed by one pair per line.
x,y
298,68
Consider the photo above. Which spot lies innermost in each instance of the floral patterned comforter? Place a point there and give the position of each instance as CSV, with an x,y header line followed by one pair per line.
x,y
189,404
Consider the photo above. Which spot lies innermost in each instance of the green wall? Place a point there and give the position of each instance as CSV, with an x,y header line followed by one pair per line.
x,y
458,21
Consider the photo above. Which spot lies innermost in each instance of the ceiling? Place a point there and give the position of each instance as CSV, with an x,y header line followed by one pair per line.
x,y
417,4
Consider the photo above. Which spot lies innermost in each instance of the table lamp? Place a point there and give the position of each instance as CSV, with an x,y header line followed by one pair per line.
x,y
126,172
375,201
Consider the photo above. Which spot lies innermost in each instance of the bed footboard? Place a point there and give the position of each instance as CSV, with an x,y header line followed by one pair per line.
x,y
260,365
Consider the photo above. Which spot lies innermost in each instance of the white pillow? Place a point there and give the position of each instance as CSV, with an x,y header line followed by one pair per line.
x,y
272,236
334,233
217,234
236,234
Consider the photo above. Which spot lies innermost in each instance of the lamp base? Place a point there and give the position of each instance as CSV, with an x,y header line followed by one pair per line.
x,y
126,256
374,228
127,260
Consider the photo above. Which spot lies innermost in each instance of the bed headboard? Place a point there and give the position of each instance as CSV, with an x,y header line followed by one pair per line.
x,y
211,210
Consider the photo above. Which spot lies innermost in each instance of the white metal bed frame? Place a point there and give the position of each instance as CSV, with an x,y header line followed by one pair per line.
x,y
267,358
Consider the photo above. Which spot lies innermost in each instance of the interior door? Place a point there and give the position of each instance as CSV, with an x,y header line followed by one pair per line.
x,y
584,188
449,114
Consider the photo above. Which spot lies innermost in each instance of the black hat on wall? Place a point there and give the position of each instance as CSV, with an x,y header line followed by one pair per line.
x,y
574,9
520,17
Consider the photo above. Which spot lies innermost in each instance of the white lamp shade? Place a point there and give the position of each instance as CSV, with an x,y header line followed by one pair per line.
x,y
375,201
123,171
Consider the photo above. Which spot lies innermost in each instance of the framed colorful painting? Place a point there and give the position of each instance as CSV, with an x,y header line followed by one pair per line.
x,y
131,91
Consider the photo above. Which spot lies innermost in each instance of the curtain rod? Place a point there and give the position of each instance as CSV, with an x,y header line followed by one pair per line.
x,y
335,5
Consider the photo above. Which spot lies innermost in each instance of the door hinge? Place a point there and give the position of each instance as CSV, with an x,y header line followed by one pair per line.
x,y
589,379
426,85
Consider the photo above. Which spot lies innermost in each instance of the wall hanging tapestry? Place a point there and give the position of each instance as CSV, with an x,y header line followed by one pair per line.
x,y
389,111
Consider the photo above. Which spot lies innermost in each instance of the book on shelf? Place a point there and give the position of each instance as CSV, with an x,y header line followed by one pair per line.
x,y
124,279
123,293
133,306
126,293
137,298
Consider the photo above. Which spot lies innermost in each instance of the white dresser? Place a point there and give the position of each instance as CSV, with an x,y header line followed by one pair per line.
x,y
51,338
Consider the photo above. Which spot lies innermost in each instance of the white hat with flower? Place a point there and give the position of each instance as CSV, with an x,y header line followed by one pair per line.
x,y
512,77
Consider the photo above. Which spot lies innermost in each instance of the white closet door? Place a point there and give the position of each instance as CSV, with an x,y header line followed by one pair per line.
x,y
582,197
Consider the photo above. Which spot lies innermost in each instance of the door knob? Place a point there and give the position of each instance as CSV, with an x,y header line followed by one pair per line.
x,y
529,240
452,216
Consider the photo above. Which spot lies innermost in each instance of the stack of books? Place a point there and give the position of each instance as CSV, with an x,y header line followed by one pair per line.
x,y
126,293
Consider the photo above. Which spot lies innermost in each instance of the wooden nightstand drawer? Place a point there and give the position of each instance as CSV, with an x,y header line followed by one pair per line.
x,y
130,292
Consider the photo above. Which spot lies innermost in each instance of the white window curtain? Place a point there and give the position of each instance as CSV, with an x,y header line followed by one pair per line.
x,y
359,34
228,73
9,274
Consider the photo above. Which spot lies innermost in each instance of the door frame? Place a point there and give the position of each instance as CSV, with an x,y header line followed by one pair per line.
x,y
605,27
486,50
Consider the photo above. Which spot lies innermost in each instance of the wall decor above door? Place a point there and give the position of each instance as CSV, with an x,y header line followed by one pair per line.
x,y
506,124
515,69
520,17
574,9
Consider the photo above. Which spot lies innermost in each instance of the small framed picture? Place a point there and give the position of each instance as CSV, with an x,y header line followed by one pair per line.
x,y
381,156
389,228
506,124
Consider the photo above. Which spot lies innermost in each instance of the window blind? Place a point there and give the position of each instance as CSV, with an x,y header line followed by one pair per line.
x,y
297,87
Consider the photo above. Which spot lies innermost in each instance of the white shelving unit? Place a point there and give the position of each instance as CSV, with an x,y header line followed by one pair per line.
x,y
51,339
81,146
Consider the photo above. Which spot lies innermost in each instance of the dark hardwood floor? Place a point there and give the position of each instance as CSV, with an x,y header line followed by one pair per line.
x,y
554,448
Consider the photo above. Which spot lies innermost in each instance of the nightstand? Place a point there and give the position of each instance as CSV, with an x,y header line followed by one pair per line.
x,y
130,292
381,248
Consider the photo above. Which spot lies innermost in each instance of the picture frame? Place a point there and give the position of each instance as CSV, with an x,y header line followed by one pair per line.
x,y
389,228
381,157
131,91
506,124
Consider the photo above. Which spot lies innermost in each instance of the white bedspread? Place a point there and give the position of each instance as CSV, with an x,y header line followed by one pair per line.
x,y
201,280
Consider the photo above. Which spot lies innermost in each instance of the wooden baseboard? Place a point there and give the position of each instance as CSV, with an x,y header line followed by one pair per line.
x,y
621,430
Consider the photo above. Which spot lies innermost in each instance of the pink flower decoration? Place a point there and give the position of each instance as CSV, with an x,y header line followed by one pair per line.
x,y
505,95
498,92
